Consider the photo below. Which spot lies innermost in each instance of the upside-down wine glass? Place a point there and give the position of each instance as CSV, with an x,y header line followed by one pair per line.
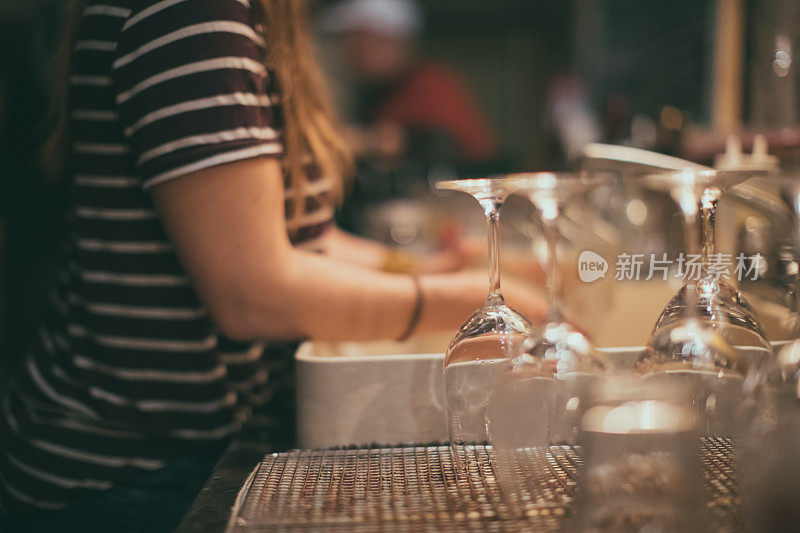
x,y
491,336
537,397
716,299
707,336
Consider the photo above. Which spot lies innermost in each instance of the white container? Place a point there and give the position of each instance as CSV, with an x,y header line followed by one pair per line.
x,y
374,396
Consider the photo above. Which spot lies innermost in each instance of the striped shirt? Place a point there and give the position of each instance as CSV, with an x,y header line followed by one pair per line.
x,y
129,371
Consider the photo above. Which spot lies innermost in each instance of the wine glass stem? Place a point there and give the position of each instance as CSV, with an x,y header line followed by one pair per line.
x,y
693,243
707,211
492,232
552,275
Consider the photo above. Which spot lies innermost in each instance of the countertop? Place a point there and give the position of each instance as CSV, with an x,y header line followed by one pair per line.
x,y
211,509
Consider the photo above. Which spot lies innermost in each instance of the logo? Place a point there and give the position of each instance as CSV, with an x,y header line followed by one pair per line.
x,y
591,266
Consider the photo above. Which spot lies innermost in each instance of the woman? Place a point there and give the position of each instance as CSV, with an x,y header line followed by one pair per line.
x,y
202,185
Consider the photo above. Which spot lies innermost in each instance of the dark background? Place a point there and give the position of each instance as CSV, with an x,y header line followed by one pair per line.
x,y
637,56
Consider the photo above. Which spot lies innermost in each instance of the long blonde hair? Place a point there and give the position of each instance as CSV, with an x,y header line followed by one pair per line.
x,y
310,123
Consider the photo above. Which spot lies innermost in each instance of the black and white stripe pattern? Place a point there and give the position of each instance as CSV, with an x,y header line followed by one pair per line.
x,y
129,370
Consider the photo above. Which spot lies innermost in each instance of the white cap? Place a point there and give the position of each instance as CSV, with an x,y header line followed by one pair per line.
x,y
735,159
388,17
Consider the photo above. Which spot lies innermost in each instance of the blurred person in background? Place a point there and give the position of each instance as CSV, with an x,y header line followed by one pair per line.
x,y
204,163
571,118
413,120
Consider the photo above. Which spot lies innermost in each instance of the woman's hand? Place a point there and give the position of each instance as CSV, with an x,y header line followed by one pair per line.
x,y
451,257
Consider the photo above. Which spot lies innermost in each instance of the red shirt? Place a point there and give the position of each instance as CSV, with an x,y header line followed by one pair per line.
x,y
433,97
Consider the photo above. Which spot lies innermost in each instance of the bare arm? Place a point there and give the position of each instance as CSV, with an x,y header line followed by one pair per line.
x,y
356,250
227,225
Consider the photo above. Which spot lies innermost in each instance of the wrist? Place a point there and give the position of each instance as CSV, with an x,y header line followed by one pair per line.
x,y
450,299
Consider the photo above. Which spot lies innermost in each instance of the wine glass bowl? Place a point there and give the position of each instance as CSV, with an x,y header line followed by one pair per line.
x,y
692,355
